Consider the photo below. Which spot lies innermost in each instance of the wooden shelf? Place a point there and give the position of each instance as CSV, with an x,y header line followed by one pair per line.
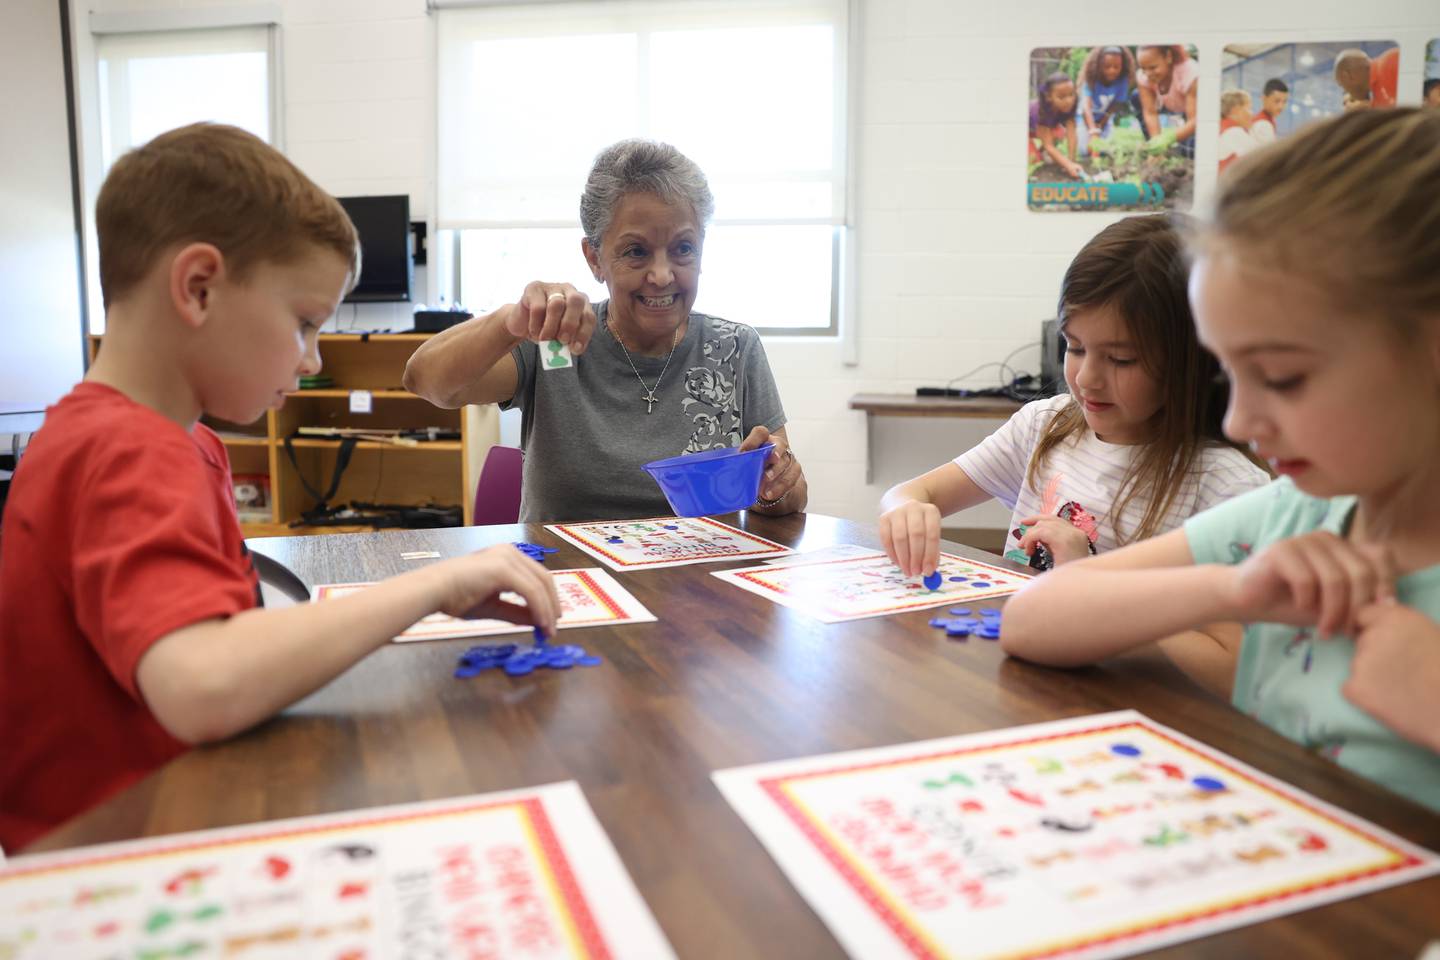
x,y
371,338
336,393
443,475
435,446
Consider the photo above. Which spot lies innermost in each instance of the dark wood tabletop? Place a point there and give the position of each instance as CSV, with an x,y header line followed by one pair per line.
x,y
723,679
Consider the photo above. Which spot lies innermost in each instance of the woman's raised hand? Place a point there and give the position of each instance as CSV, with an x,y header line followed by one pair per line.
x,y
553,311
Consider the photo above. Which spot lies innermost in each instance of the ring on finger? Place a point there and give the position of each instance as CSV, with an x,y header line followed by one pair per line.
x,y
555,295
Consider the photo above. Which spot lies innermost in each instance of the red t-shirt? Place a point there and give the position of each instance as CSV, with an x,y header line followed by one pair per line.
x,y
120,528
1384,78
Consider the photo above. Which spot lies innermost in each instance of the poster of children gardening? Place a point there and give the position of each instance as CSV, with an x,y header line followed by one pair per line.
x,y
1112,127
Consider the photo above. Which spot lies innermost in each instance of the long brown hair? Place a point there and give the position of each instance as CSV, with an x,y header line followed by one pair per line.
x,y
1137,268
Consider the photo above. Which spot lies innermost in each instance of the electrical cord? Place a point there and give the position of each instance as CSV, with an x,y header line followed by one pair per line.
x,y
1021,386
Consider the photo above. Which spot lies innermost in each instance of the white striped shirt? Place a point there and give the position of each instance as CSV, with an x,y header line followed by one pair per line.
x,y
1087,471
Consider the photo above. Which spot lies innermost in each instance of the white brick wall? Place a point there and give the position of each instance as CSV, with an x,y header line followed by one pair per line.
x,y
954,270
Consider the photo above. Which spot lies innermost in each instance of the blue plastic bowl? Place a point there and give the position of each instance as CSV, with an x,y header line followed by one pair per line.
x,y
711,481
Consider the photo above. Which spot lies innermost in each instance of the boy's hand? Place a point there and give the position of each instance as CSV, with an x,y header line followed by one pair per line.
x,y
553,311
1316,579
1063,539
1396,671
471,586
910,534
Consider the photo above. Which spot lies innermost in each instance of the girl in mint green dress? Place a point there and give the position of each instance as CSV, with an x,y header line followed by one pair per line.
x,y
1314,601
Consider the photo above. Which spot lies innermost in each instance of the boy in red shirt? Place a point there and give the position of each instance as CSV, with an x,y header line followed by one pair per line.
x,y
128,620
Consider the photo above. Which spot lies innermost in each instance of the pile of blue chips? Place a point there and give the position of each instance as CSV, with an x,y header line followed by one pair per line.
x,y
960,624
534,551
517,661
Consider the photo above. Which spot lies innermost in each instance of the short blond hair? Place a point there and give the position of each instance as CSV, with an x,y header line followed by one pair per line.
x,y
211,183
1351,204
1231,99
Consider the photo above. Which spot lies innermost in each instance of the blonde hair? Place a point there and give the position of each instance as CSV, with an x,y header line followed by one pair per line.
x,y
1137,268
1231,99
210,183
1351,204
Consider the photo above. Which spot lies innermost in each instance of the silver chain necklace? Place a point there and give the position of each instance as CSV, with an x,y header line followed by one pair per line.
x,y
648,394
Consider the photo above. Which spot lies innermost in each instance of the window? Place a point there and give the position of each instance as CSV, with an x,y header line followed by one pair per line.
x,y
754,92
158,70
153,82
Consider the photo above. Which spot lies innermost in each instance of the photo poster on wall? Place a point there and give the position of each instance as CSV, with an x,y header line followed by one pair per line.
x,y
1112,127
1430,85
1270,90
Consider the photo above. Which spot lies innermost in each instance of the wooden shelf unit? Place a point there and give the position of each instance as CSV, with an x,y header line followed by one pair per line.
x,y
431,472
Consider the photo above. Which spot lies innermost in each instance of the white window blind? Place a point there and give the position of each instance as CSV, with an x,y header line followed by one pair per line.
x,y
753,92
153,82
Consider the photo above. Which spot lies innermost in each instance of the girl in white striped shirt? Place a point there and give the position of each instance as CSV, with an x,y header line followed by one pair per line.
x,y
1131,451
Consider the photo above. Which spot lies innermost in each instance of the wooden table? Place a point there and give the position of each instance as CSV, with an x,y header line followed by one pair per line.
x,y
904,405
723,679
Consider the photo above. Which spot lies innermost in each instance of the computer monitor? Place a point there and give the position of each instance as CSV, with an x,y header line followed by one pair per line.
x,y
387,271
1052,359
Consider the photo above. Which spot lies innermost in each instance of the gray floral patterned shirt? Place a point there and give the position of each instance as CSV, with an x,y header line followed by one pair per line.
x,y
586,431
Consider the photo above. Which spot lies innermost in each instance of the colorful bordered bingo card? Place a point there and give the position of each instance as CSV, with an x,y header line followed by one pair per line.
x,y
1097,836
871,586
589,597
527,873
665,542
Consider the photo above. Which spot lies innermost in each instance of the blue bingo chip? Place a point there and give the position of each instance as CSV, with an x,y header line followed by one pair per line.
x,y
932,581
520,661
960,611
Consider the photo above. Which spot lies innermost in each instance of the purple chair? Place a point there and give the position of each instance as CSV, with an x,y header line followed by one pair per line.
x,y
497,492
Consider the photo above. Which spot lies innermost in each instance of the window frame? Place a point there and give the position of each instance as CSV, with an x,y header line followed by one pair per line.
x,y
92,149
841,324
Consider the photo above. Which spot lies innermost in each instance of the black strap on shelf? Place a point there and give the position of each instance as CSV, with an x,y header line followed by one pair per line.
x,y
342,460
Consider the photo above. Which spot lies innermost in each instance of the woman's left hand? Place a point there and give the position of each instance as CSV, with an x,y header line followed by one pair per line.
x,y
782,470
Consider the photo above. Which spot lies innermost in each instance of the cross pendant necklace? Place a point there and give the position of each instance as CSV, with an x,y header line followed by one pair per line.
x,y
647,395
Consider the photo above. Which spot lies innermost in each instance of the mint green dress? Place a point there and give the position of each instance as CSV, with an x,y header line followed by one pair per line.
x,y
1290,679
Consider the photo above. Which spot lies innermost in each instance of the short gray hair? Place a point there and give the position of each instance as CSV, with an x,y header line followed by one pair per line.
x,y
641,166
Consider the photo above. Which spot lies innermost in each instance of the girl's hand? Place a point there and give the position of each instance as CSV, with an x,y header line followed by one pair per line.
x,y
1317,579
553,311
471,587
1396,671
910,534
1063,539
1073,168
1094,131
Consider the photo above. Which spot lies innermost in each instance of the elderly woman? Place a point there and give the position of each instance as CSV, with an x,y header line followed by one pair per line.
x,y
651,377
